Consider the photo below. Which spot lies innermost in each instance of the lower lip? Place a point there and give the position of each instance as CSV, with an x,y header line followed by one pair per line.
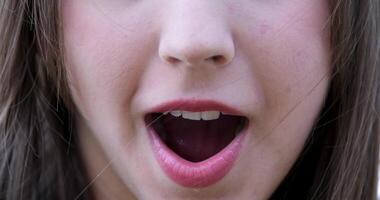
x,y
199,174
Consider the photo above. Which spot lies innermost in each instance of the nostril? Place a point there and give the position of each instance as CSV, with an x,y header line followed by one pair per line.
x,y
172,60
218,59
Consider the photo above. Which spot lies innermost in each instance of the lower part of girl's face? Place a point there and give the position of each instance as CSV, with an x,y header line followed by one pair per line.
x,y
194,99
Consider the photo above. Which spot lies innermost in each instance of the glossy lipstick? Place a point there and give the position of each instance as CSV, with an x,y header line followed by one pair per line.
x,y
195,174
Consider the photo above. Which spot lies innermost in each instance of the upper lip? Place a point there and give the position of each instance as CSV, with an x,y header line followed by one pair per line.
x,y
195,105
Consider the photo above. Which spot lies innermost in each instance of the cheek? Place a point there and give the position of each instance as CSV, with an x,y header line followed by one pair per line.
x,y
290,52
103,58
290,55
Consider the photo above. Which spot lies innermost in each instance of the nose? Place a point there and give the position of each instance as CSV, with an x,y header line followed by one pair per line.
x,y
195,35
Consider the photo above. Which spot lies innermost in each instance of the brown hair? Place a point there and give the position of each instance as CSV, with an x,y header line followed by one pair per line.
x,y
38,158
38,153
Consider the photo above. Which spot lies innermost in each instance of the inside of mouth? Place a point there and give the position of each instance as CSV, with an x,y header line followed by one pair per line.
x,y
195,140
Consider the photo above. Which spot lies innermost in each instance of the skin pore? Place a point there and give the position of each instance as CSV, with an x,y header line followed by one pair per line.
x,y
119,56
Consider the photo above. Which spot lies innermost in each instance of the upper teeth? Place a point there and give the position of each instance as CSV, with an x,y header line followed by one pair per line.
x,y
205,115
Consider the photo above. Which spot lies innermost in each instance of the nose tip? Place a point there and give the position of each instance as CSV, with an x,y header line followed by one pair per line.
x,y
193,55
192,52
196,34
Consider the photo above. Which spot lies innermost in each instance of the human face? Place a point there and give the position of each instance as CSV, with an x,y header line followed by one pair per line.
x,y
267,61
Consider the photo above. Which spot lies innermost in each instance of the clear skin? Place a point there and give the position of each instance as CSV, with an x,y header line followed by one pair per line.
x,y
126,56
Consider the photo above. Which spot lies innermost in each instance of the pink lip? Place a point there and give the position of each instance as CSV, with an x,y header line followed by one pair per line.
x,y
195,174
196,106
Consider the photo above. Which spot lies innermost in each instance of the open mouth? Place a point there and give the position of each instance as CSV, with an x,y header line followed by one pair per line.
x,y
196,136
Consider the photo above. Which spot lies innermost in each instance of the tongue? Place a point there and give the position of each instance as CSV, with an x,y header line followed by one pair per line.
x,y
196,140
